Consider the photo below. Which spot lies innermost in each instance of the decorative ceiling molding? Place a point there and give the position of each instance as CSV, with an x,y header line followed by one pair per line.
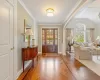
x,y
21,2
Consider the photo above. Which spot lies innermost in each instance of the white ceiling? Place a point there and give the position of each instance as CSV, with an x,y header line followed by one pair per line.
x,y
91,12
61,7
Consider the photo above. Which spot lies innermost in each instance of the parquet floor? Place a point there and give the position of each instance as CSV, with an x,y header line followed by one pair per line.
x,y
57,67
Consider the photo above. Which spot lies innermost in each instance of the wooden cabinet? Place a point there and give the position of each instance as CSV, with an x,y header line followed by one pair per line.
x,y
29,54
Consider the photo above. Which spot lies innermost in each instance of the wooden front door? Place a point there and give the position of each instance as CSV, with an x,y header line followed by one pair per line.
x,y
6,40
49,40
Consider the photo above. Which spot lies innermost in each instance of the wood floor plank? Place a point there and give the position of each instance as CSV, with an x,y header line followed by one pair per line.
x,y
57,67
50,68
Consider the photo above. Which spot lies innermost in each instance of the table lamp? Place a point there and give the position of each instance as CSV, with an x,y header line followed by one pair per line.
x,y
98,40
29,33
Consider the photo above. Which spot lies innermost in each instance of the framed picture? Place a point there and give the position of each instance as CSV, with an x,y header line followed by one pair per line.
x,y
26,26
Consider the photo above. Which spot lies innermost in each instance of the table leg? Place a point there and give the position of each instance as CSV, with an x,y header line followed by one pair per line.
x,y
37,57
23,65
33,63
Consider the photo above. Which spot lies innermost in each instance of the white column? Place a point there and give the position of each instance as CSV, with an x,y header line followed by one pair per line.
x,y
64,41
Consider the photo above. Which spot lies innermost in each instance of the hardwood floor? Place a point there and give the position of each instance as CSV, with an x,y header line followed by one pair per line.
x,y
79,71
57,67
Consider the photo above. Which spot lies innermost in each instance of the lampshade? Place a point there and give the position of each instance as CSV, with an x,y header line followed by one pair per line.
x,y
29,32
98,40
50,12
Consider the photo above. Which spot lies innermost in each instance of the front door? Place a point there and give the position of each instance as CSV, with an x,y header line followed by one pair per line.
x,y
6,41
49,40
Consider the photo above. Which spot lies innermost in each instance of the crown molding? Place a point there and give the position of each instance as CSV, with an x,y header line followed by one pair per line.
x,y
24,6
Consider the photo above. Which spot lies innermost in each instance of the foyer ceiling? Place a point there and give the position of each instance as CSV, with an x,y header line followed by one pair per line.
x,y
61,7
92,12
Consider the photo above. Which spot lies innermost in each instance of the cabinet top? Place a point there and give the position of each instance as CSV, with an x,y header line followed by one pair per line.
x,y
30,47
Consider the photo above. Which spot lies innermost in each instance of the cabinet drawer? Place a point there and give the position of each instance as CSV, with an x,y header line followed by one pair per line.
x,y
29,53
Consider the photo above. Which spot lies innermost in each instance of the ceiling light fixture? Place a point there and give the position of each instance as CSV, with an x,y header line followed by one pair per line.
x,y
50,12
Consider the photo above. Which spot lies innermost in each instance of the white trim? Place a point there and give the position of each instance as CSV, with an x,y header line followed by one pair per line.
x,y
15,39
21,70
80,6
11,3
51,28
50,24
24,6
74,10
71,12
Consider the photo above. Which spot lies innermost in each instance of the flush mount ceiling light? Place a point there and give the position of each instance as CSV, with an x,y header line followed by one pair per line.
x,y
50,12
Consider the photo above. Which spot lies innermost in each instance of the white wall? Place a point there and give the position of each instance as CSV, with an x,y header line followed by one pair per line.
x,y
73,23
60,36
21,15
35,33
87,22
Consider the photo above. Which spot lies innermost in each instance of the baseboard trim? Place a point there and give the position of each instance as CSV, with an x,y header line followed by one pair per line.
x,y
21,70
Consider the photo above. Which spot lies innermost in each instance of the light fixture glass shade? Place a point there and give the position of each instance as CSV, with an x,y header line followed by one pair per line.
x,y
50,12
29,32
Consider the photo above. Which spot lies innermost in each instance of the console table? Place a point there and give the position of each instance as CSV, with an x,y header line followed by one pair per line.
x,y
29,54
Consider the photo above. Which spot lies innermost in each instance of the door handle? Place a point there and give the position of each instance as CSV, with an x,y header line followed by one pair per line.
x,y
12,48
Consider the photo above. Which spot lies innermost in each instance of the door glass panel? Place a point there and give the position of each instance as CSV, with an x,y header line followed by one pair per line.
x,y
56,42
56,36
47,42
43,42
50,37
51,31
51,42
47,37
48,32
43,37
56,32
42,31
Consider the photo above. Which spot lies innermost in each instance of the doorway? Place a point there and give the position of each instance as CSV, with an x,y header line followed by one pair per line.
x,y
6,41
49,40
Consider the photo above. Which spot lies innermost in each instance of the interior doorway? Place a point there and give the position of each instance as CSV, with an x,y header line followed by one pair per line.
x,y
49,40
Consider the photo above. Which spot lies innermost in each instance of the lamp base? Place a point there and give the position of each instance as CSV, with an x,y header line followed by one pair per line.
x,y
28,41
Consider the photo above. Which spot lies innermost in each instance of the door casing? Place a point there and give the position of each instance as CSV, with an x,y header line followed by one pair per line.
x,y
50,28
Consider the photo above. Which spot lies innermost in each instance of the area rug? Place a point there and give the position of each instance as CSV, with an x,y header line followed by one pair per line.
x,y
93,64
